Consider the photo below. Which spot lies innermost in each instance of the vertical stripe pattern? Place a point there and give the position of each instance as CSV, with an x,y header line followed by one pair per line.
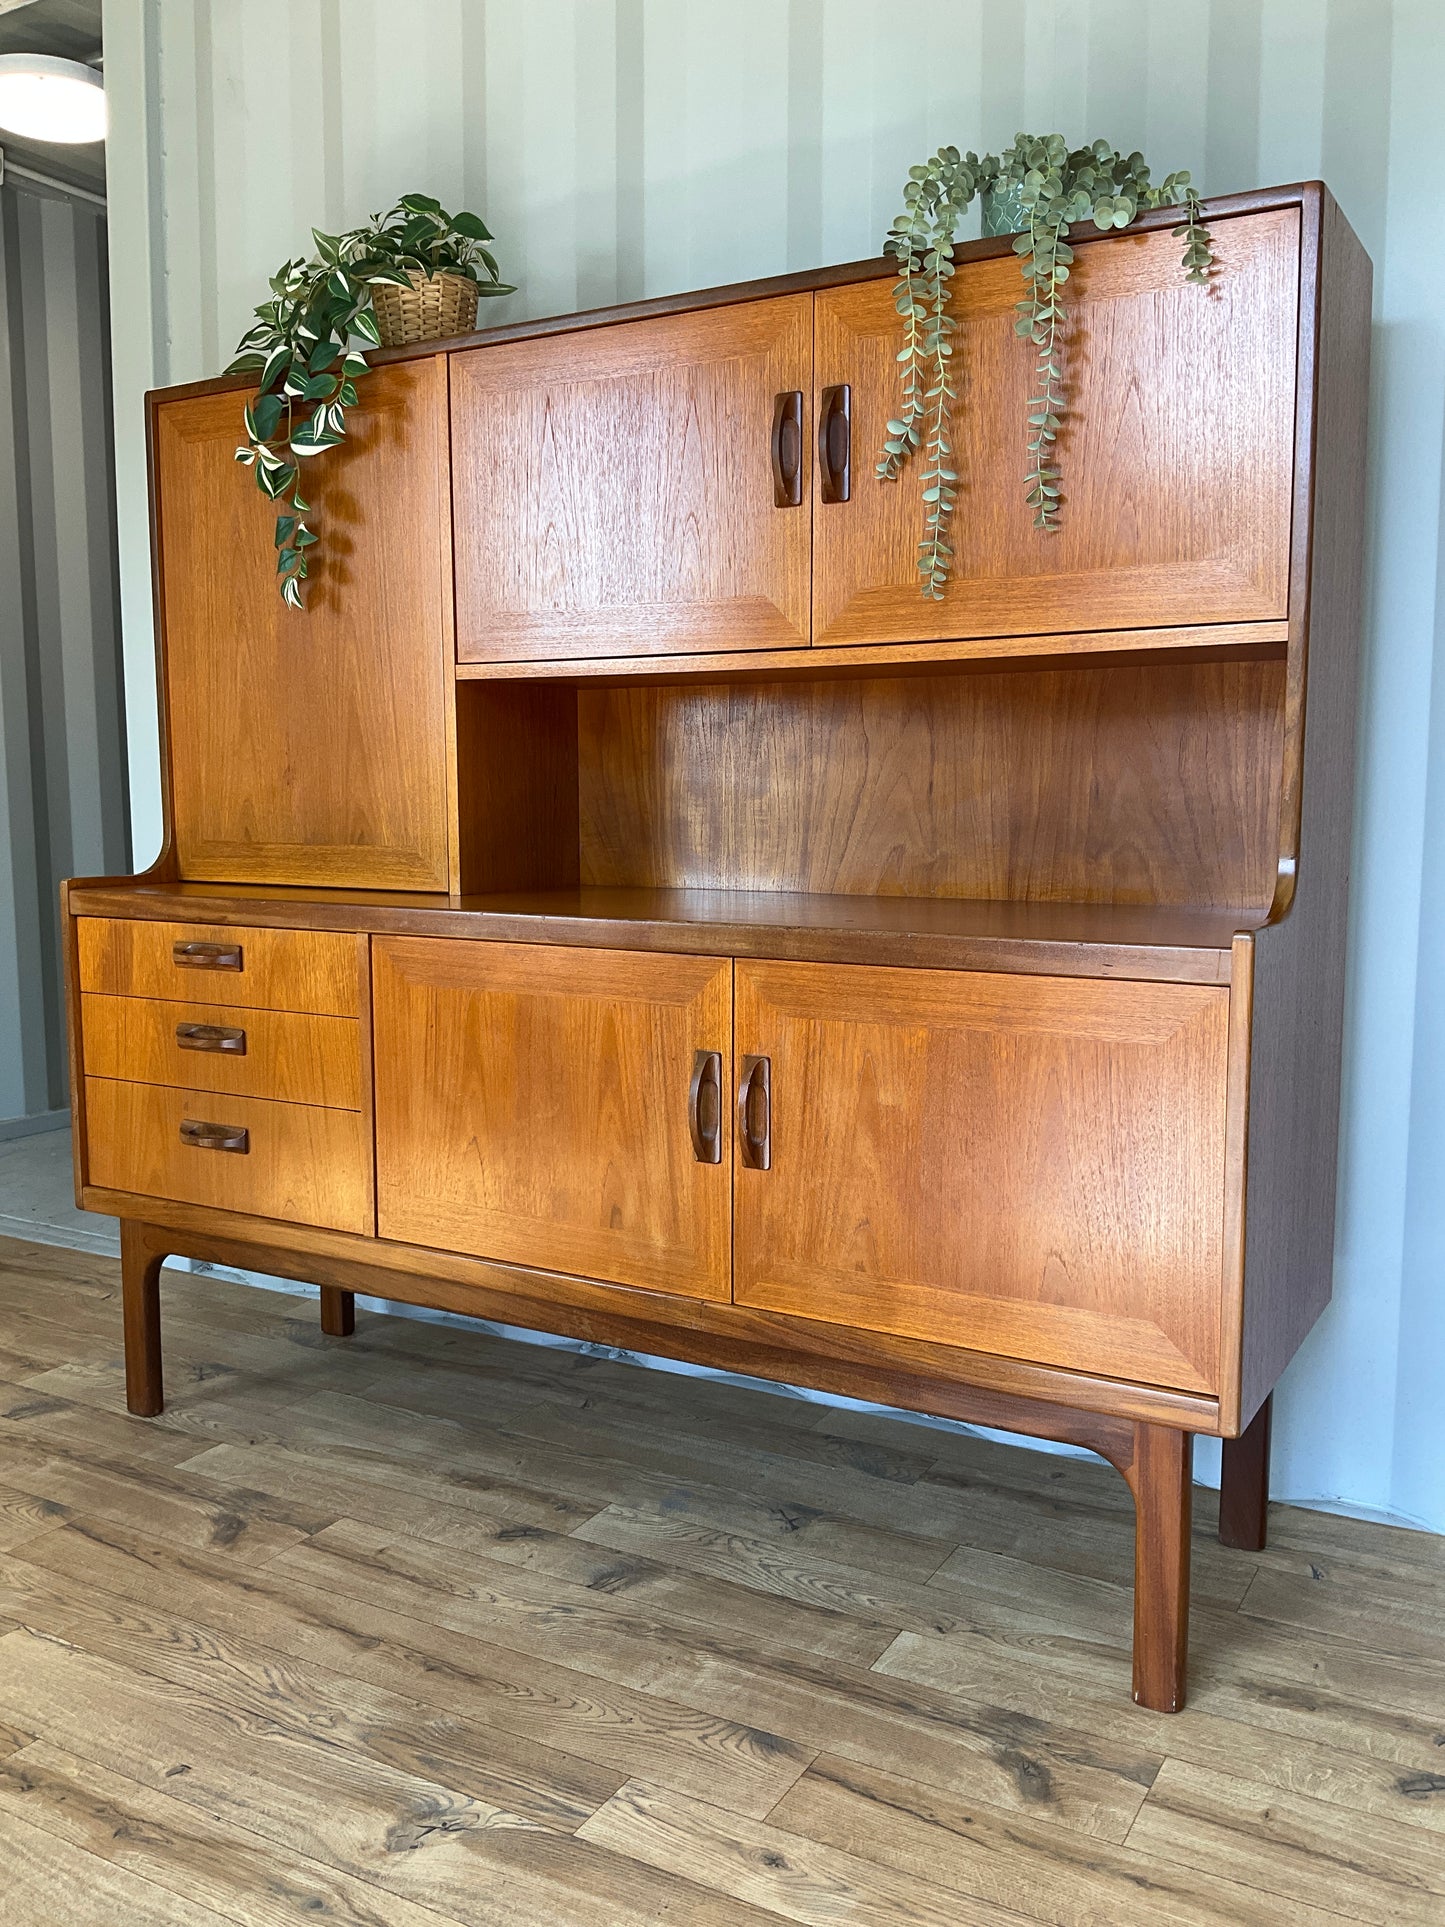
x,y
622,148
64,799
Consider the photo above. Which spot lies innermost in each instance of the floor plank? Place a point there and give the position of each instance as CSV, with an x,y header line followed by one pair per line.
x,y
429,1628
1001,1860
182,1849
1286,1846
770,1867
46,1880
538,1700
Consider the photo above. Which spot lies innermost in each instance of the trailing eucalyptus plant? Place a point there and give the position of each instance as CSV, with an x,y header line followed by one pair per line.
x,y
1053,187
309,343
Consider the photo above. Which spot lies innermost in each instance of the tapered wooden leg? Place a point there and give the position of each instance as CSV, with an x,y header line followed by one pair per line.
x,y
338,1311
1244,1485
140,1278
1162,1480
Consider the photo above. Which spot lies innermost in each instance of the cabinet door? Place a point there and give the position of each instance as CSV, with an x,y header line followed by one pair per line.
x,y
615,489
1030,1166
310,746
534,1105
1177,449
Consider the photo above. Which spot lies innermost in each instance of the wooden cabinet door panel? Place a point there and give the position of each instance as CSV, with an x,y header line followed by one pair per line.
x,y
311,746
1177,449
1030,1166
614,488
532,1107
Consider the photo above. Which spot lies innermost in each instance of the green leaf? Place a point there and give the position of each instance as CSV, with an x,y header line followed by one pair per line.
x,y
266,416
472,227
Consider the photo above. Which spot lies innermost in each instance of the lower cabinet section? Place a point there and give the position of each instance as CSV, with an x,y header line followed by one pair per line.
x,y
296,1162
559,1108
1030,1166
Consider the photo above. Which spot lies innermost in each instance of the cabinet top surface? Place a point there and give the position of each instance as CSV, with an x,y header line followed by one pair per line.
x,y
1307,194
1083,939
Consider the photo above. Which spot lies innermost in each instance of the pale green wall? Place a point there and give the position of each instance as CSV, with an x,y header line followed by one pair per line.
x,y
630,147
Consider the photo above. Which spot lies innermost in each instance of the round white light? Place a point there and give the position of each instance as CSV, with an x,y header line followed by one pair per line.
x,y
49,99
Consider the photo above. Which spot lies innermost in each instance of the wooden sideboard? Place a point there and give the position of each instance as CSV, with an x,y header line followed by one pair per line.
x,y
623,906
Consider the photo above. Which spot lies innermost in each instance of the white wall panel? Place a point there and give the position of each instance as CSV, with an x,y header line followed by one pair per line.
x,y
630,147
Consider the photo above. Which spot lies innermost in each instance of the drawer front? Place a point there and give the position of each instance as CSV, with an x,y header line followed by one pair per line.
x,y
198,963
294,1056
294,1162
1028,1166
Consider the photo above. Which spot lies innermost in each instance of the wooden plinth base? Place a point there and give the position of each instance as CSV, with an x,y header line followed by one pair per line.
x,y
1155,1459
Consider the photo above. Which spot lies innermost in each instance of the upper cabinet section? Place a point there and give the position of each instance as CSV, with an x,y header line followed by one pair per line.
x,y
1177,450
310,747
639,489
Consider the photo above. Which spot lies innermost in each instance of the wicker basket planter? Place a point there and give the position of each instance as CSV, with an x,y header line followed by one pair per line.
x,y
432,307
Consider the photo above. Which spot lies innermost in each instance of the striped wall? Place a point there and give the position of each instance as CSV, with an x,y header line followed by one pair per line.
x,y
64,802
629,147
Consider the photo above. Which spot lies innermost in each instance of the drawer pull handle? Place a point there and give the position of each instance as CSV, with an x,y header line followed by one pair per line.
x,y
215,1137
207,956
219,1037
835,441
755,1113
788,449
704,1107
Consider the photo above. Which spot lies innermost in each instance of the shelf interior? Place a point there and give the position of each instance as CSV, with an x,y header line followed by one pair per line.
x,y
954,802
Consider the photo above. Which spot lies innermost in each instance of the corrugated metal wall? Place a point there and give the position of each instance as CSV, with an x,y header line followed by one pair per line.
x,y
630,147
64,804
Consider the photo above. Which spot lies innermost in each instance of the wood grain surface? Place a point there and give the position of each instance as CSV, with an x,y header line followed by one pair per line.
x,y
1101,940
1155,785
440,1629
532,1105
626,489
310,747
303,1163
1177,449
300,970
1033,1167
298,1058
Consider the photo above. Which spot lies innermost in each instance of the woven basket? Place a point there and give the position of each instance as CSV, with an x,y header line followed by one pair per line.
x,y
432,307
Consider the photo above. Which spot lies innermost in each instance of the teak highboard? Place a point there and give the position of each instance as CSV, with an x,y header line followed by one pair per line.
x,y
623,906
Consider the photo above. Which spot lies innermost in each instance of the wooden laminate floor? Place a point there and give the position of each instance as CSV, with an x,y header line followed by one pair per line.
x,y
421,1627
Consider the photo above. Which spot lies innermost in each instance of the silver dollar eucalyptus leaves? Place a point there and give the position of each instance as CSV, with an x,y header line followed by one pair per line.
x,y
1054,187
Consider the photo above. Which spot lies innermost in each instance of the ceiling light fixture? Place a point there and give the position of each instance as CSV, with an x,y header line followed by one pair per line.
x,y
45,98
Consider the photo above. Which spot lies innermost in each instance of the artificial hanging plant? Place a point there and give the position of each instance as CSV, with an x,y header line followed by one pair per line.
x,y
305,345
1045,186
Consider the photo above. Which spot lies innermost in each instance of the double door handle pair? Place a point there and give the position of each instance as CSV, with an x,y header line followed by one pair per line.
x,y
835,445
754,1111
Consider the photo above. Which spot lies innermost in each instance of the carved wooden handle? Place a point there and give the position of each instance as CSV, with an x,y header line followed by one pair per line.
x,y
788,449
704,1107
207,956
219,1037
215,1137
835,442
755,1113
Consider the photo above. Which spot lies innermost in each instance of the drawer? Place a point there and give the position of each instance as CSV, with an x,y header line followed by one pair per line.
x,y
300,1058
199,963
295,1162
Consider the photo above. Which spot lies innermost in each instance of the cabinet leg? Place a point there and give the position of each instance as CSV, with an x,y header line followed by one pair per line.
x,y
1161,1477
338,1311
1244,1485
140,1278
